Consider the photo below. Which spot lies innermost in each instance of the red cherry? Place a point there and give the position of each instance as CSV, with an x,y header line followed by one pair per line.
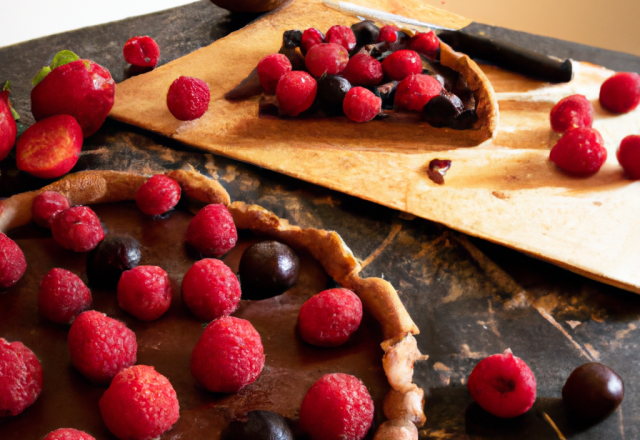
x,y
629,156
621,92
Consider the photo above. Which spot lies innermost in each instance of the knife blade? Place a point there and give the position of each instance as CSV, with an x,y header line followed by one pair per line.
x,y
500,53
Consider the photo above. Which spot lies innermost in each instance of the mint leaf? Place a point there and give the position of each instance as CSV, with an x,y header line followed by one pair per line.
x,y
7,86
40,76
15,114
63,57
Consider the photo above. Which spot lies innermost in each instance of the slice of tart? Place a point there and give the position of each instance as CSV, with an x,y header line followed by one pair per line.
x,y
292,366
224,64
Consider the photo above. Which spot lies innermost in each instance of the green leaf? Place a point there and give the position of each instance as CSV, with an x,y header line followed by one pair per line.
x,y
40,76
15,114
63,57
7,86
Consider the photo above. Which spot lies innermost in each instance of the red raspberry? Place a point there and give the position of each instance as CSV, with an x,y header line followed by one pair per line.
x,y
570,112
361,105
363,70
337,407
46,205
311,37
503,385
228,356
62,296
296,92
401,64
580,150
141,51
329,318
388,34
158,195
188,98
12,262
212,231
210,289
145,292
629,156
77,228
270,69
415,91
140,404
20,378
100,346
329,58
426,44
68,434
341,35
621,92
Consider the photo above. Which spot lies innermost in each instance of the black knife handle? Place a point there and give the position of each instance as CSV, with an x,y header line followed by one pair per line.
x,y
509,56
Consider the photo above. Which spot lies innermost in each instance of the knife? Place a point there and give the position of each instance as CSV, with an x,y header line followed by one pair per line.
x,y
500,53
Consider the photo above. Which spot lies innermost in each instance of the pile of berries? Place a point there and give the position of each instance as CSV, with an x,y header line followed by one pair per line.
x,y
504,385
581,149
361,70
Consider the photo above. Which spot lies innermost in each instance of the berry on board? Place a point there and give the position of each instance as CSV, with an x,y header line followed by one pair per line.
x,y
212,232
46,206
621,92
77,228
158,195
503,385
210,289
12,262
296,92
629,156
145,292
141,51
62,296
571,112
579,151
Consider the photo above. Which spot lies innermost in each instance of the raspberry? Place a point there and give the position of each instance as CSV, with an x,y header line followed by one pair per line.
x,y
415,91
145,292
210,289
140,404
270,69
629,156
621,92
62,296
341,35
426,44
77,228
388,34
20,378
68,434
212,231
570,112
228,356
12,262
503,385
361,105
188,98
311,37
158,195
401,64
329,318
337,407
329,58
46,205
141,51
579,151
363,70
296,92
100,346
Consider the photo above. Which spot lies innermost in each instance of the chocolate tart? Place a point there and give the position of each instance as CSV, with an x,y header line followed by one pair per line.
x,y
69,400
141,100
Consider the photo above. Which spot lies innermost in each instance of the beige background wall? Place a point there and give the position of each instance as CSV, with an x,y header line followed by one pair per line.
x,y
611,24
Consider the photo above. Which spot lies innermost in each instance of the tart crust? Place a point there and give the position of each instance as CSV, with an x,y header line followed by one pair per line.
x,y
327,247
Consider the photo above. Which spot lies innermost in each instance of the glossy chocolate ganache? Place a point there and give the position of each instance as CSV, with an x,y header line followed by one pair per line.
x,y
68,400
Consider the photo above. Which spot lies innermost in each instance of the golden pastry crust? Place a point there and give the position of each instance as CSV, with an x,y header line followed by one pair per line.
x,y
327,247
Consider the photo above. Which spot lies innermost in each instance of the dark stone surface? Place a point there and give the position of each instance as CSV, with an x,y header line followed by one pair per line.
x,y
469,297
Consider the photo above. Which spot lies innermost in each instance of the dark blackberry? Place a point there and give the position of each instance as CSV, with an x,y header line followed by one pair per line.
x,y
366,32
291,39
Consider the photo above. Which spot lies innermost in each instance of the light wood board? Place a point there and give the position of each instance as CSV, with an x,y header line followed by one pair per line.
x,y
504,190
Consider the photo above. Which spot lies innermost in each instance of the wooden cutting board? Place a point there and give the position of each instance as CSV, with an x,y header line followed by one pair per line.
x,y
504,190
